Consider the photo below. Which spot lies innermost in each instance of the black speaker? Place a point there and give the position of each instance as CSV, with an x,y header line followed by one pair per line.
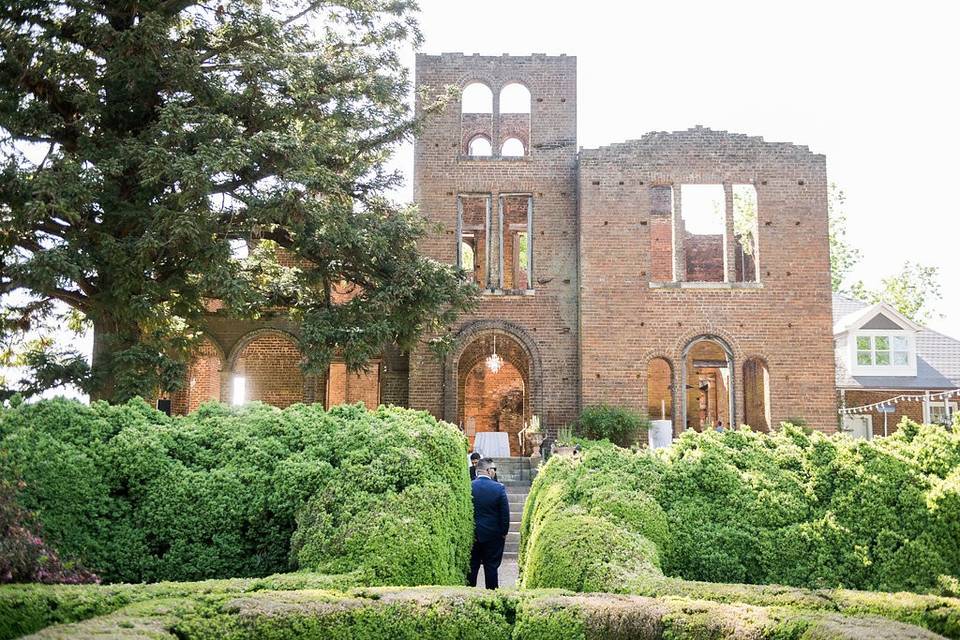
x,y
164,404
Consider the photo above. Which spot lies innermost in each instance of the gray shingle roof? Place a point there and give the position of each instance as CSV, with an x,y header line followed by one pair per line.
x,y
938,359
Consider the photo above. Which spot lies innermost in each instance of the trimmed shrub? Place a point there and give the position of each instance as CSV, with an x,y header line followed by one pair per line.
x,y
226,611
138,496
580,552
616,424
794,507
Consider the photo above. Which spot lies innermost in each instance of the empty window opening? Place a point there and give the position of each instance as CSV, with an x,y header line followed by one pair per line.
x,y
239,390
756,395
476,98
703,224
512,148
480,146
516,248
745,231
514,98
473,237
661,234
467,253
514,120
708,393
659,390
476,119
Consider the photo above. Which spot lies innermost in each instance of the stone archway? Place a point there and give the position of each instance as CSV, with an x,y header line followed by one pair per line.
x,y
478,397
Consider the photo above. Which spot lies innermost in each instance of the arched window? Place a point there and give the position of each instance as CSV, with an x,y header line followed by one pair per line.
x,y
514,98
480,146
512,148
476,98
756,394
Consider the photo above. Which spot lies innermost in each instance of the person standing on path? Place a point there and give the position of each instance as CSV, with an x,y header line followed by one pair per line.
x,y
491,522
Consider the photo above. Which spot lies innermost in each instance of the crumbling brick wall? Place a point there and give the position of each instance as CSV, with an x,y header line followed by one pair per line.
x,y
626,317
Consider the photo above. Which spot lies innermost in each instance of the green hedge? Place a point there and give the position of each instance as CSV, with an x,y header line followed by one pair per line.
x,y
621,426
137,496
792,508
272,610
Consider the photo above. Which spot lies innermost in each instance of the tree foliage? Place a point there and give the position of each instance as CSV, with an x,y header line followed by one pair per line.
x,y
843,256
140,139
912,292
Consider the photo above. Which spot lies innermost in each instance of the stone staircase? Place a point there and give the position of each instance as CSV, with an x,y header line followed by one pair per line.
x,y
516,474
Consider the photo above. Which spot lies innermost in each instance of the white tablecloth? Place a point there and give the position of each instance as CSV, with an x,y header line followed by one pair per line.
x,y
492,444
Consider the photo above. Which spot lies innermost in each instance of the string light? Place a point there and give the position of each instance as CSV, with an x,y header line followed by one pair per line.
x,y
942,395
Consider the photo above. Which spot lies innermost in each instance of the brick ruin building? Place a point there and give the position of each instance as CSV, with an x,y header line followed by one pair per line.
x,y
685,275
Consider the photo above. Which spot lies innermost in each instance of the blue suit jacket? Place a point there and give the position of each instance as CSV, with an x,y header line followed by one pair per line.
x,y
491,509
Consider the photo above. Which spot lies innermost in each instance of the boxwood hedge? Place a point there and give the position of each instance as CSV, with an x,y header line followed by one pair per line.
x,y
250,491
792,508
275,609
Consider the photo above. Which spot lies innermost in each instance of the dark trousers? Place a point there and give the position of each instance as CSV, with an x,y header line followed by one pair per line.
x,y
489,554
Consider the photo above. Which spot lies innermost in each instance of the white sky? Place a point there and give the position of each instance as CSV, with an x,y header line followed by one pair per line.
x,y
873,86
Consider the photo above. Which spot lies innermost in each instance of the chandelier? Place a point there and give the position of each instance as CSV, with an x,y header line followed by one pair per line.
x,y
494,362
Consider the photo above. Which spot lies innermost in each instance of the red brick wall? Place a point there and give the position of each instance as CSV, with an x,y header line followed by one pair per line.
x,y
661,249
754,395
786,319
484,396
905,408
704,255
270,362
364,386
203,380
659,396
349,388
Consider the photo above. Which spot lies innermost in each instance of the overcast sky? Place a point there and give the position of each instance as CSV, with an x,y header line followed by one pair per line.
x,y
873,86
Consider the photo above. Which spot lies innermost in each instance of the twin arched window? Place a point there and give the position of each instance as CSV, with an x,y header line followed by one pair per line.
x,y
477,118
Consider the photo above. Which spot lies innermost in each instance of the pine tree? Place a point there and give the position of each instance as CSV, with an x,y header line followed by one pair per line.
x,y
141,138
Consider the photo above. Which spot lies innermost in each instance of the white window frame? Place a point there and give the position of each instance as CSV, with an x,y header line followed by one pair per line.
x,y
929,405
857,369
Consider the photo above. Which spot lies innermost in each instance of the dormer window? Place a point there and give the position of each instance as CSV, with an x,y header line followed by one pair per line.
x,y
883,351
877,341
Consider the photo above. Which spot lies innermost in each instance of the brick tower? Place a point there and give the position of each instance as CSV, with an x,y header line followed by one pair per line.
x,y
497,171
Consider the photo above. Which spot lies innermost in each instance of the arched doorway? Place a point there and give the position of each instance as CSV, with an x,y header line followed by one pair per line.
x,y
660,389
494,387
265,366
756,394
202,382
708,399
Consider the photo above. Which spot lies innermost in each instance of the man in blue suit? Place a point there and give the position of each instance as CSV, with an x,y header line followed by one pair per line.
x,y
491,522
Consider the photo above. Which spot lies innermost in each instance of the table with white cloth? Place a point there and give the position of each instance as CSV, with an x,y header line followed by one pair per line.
x,y
492,444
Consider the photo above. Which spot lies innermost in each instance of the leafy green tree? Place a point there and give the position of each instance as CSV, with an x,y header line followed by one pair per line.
x,y
843,257
912,292
139,139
